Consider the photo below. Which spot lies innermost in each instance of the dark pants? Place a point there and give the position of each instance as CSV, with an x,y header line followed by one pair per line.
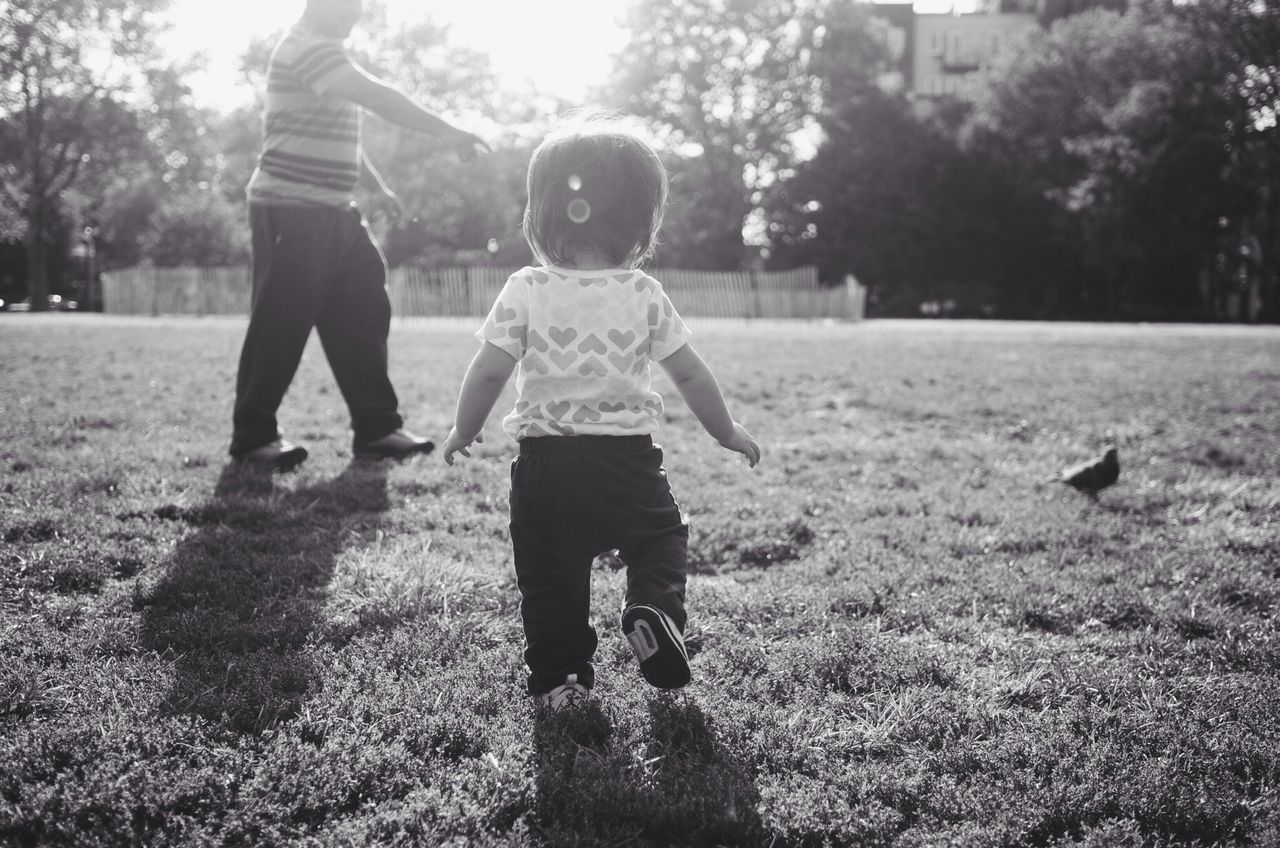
x,y
574,497
314,267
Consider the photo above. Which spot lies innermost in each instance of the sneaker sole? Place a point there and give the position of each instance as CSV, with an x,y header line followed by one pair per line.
x,y
664,663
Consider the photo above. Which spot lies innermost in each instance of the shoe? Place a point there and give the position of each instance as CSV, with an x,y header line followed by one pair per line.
x,y
658,645
566,696
397,445
279,455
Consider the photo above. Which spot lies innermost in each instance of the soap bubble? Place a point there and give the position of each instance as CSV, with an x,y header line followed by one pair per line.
x,y
575,182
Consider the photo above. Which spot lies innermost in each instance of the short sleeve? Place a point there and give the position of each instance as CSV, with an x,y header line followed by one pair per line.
x,y
507,325
667,331
323,64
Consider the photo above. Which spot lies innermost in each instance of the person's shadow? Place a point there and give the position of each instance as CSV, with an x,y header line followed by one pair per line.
x,y
242,595
689,789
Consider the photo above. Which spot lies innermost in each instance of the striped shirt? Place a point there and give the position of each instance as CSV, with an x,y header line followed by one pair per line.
x,y
311,139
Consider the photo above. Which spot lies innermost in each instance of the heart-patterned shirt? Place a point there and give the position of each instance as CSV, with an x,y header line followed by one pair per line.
x,y
583,341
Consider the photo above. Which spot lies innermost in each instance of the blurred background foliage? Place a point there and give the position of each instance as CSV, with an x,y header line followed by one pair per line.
x,y
1119,162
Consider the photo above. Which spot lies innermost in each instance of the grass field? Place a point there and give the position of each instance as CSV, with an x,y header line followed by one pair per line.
x,y
905,632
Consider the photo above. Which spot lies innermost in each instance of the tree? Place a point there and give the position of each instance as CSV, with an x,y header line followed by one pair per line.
x,y
1245,38
1115,119
197,228
893,200
729,85
60,60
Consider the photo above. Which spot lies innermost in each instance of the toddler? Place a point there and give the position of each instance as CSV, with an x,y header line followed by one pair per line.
x,y
580,330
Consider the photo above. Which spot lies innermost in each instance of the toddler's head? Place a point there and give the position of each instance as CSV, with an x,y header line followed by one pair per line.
x,y
595,188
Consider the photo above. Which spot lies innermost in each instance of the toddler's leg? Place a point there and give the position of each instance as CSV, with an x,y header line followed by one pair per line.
x,y
554,575
655,551
655,538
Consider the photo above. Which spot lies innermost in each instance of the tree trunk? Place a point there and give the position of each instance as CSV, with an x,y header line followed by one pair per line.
x,y
1270,259
37,267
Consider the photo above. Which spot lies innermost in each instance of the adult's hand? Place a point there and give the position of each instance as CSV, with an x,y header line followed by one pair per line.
x,y
467,145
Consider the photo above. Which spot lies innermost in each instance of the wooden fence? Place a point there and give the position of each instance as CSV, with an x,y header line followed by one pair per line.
x,y
418,292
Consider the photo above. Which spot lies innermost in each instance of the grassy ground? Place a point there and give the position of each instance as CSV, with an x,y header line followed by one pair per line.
x,y
905,633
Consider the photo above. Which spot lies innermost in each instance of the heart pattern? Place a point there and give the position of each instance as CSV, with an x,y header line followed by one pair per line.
x,y
584,356
562,337
592,344
503,313
563,358
592,367
622,340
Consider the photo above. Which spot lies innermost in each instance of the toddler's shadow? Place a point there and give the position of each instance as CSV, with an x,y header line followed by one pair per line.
x,y
687,788
241,596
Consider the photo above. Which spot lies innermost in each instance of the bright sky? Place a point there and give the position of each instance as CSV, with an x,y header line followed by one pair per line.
x,y
572,40
561,46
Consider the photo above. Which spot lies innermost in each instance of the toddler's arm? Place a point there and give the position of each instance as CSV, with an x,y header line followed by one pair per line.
x,y
698,387
485,380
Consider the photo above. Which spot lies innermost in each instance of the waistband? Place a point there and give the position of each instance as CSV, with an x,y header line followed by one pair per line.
x,y
585,444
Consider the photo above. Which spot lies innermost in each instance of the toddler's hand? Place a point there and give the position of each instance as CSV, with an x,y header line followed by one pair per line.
x,y
457,444
742,442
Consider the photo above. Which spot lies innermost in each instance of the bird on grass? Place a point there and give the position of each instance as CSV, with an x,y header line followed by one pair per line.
x,y
1095,475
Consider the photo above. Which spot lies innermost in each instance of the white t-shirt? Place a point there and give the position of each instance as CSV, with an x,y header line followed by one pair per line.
x,y
583,341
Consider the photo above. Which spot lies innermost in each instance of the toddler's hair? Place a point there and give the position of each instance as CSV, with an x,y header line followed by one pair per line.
x,y
594,186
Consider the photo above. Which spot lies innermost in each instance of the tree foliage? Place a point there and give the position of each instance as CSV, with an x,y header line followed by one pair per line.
x,y
1115,119
729,86
62,64
197,228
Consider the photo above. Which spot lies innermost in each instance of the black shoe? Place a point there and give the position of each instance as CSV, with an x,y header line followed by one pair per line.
x,y
657,643
279,455
397,445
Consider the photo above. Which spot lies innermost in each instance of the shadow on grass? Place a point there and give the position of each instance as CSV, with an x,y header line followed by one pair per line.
x,y
687,788
242,596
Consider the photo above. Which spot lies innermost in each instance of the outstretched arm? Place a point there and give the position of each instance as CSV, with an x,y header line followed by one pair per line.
x,y
486,378
364,89
696,384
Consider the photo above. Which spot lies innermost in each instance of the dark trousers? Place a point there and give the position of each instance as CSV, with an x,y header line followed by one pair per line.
x,y
314,267
574,497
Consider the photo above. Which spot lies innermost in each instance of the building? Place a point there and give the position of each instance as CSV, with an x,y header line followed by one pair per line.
x,y
953,53
940,55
